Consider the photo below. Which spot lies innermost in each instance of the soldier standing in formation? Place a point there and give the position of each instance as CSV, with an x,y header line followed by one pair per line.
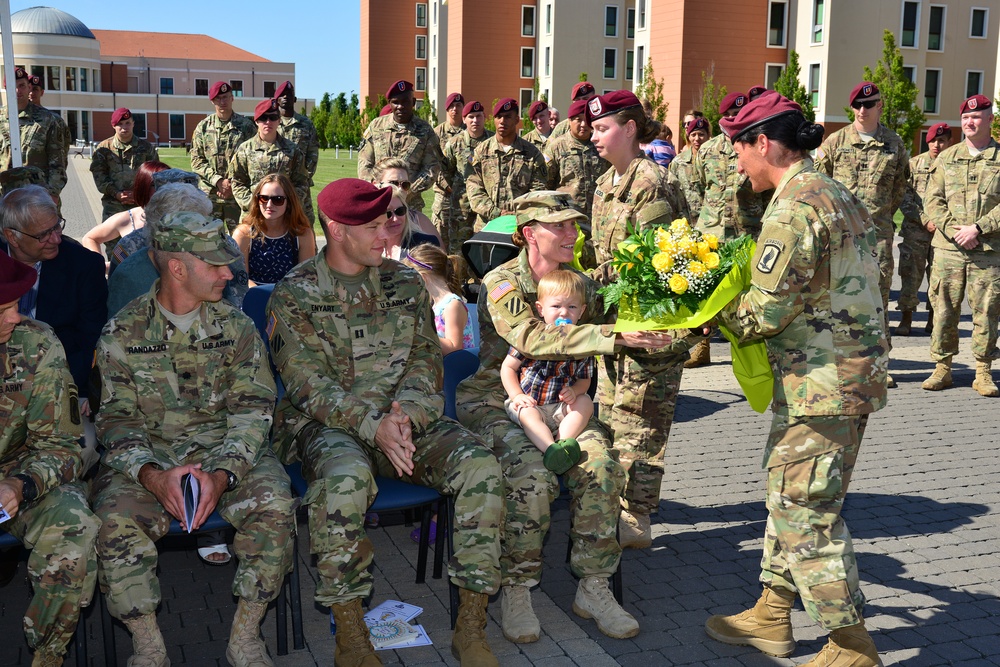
x,y
682,168
441,211
456,165
35,93
116,161
503,167
298,129
583,90
963,200
815,287
538,114
213,146
402,134
187,389
917,231
873,163
43,148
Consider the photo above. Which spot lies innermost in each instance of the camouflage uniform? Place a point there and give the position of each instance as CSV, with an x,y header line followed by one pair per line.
x,y
66,135
507,318
456,165
637,390
42,146
344,358
40,423
729,207
255,158
815,301
171,398
915,249
535,138
497,177
683,169
114,166
965,190
414,143
561,128
441,212
300,131
573,167
877,172
213,146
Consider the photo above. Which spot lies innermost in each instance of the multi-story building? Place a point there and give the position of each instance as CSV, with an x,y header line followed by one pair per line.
x,y
163,78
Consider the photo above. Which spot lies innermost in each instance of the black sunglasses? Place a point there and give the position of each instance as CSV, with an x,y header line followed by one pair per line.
x,y
277,200
868,105
268,117
398,212
403,185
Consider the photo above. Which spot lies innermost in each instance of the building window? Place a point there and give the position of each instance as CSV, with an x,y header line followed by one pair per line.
x,y
548,56
980,19
911,23
139,129
630,23
776,24
37,70
201,87
548,19
527,62
70,78
932,85
434,78
434,46
771,73
610,63
85,125
817,23
527,20
270,88
177,130
166,85
814,85
935,33
53,82
910,72
420,78
525,98
973,83
639,64
237,87
83,80
629,64
434,13
421,50
97,80
642,13
610,21
421,14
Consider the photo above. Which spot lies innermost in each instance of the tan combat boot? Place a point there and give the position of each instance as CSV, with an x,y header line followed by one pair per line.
x,y
847,647
468,643
984,380
767,626
905,324
148,649
594,600
354,649
941,378
246,648
701,355
45,659
634,531
519,623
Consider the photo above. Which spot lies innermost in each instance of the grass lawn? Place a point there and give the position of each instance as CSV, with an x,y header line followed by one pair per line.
x,y
329,169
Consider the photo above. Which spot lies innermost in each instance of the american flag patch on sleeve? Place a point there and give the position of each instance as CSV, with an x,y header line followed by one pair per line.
x,y
500,291
272,321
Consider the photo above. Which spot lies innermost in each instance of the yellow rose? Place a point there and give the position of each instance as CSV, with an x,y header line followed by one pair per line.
x,y
685,245
702,248
697,268
678,283
662,262
680,226
712,240
711,260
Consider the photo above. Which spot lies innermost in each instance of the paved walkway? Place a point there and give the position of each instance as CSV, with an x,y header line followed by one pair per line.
x,y
922,510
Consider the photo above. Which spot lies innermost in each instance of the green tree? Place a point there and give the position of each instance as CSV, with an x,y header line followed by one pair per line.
x,y
789,85
583,76
900,111
996,118
427,111
711,96
651,90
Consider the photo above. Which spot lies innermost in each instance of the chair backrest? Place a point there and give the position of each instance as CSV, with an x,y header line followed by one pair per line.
x,y
255,305
474,320
457,366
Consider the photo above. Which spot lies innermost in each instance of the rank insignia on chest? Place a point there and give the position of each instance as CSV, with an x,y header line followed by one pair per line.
x,y
358,333
973,179
769,257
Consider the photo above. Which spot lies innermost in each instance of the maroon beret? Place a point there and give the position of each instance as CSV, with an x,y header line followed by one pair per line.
x,y
472,107
19,73
758,112
583,89
536,107
15,279
218,88
454,98
386,110
732,101
698,123
284,89
977,103
938,130
398,88
506,104
863,91
755,92
119,115
609,103
351,201
35,80
578,107
265,106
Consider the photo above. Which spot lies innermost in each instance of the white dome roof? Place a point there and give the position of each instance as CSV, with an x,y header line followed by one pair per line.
x,y
48,21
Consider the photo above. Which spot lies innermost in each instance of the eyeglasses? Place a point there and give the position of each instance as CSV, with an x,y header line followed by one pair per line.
x,y
397,212
402,185
268,118
277,200
868,105
46,236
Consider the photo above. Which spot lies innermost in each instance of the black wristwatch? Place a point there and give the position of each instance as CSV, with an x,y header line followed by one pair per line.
x,y
29,491
231,480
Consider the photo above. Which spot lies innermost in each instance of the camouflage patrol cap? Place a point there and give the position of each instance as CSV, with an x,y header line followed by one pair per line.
x,y
654,213
545,206
15,278
203,237
161,178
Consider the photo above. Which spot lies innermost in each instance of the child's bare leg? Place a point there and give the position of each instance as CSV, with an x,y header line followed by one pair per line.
x,y
535,428
575,421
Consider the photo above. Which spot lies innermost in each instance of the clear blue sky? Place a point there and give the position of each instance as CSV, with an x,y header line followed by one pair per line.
x,y
320,36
